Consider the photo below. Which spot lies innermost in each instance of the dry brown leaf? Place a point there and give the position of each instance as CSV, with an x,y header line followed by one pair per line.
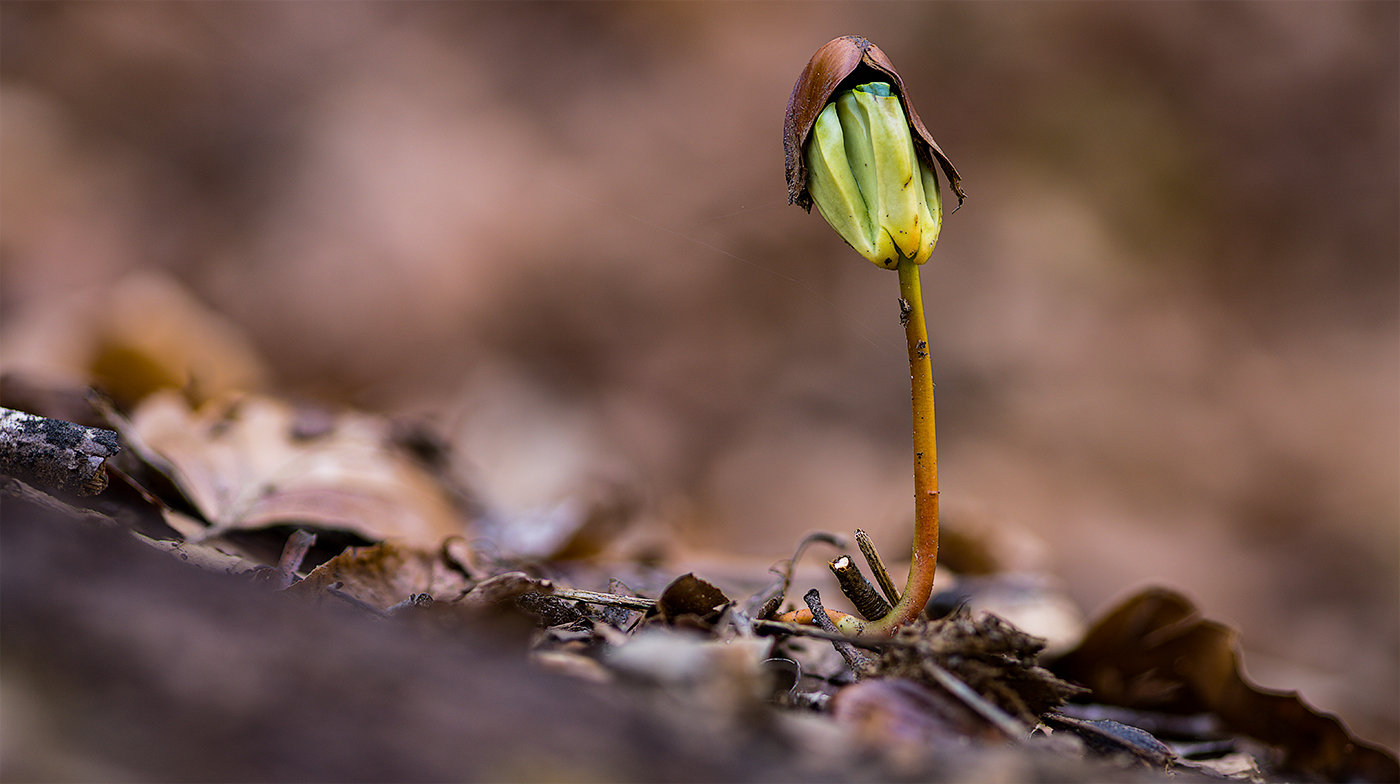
x,y
388,573
139,335
502,588
689,595
1155,652
253,462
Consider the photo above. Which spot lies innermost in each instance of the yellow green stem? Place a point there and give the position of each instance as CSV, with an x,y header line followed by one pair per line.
x,y
919,586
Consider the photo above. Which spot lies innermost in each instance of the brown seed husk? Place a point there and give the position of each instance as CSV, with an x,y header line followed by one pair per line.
x,y
841,64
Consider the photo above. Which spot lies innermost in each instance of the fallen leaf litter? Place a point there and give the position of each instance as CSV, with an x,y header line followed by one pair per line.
x,y
911,701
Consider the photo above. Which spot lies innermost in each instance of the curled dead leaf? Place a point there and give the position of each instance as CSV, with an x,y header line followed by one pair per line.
x,y
385,574
501,588
251,462
689,596
141,334
1155,652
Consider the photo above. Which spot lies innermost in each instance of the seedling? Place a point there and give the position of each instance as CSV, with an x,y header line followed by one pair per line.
x,y
855,147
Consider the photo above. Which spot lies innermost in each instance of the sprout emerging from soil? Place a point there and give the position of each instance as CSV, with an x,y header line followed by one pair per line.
x,y
856,148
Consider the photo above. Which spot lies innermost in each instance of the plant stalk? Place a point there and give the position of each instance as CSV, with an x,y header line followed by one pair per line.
x,y
919,586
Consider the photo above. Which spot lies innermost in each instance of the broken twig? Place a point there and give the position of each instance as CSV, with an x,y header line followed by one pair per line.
x,y
605,599
856,660
292,555
14,488
870,605
54,453
997,717
877,566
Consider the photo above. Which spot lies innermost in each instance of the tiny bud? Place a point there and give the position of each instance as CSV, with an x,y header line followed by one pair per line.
x,y
854,146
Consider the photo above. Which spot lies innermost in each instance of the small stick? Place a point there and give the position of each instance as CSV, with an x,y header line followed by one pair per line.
x,y
334,590
807,630
998,717
293,553
808,541
14,488
54,453
605,599
856,660
869,604
767,601
877,566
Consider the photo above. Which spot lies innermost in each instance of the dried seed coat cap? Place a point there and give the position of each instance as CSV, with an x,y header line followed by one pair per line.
x,y
841,64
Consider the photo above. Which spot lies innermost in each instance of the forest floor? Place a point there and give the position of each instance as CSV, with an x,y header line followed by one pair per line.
x,y
260,592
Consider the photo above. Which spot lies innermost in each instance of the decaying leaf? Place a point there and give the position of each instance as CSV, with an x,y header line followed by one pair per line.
x,y
691,596
134,337
253,462
1108,737
552,611
1155,652
388,573
501,588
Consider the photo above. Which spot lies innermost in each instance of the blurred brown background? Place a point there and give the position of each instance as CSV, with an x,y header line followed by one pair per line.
x,y
1164,325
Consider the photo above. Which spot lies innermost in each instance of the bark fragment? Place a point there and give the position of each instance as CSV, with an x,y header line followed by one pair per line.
x,y
55,454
